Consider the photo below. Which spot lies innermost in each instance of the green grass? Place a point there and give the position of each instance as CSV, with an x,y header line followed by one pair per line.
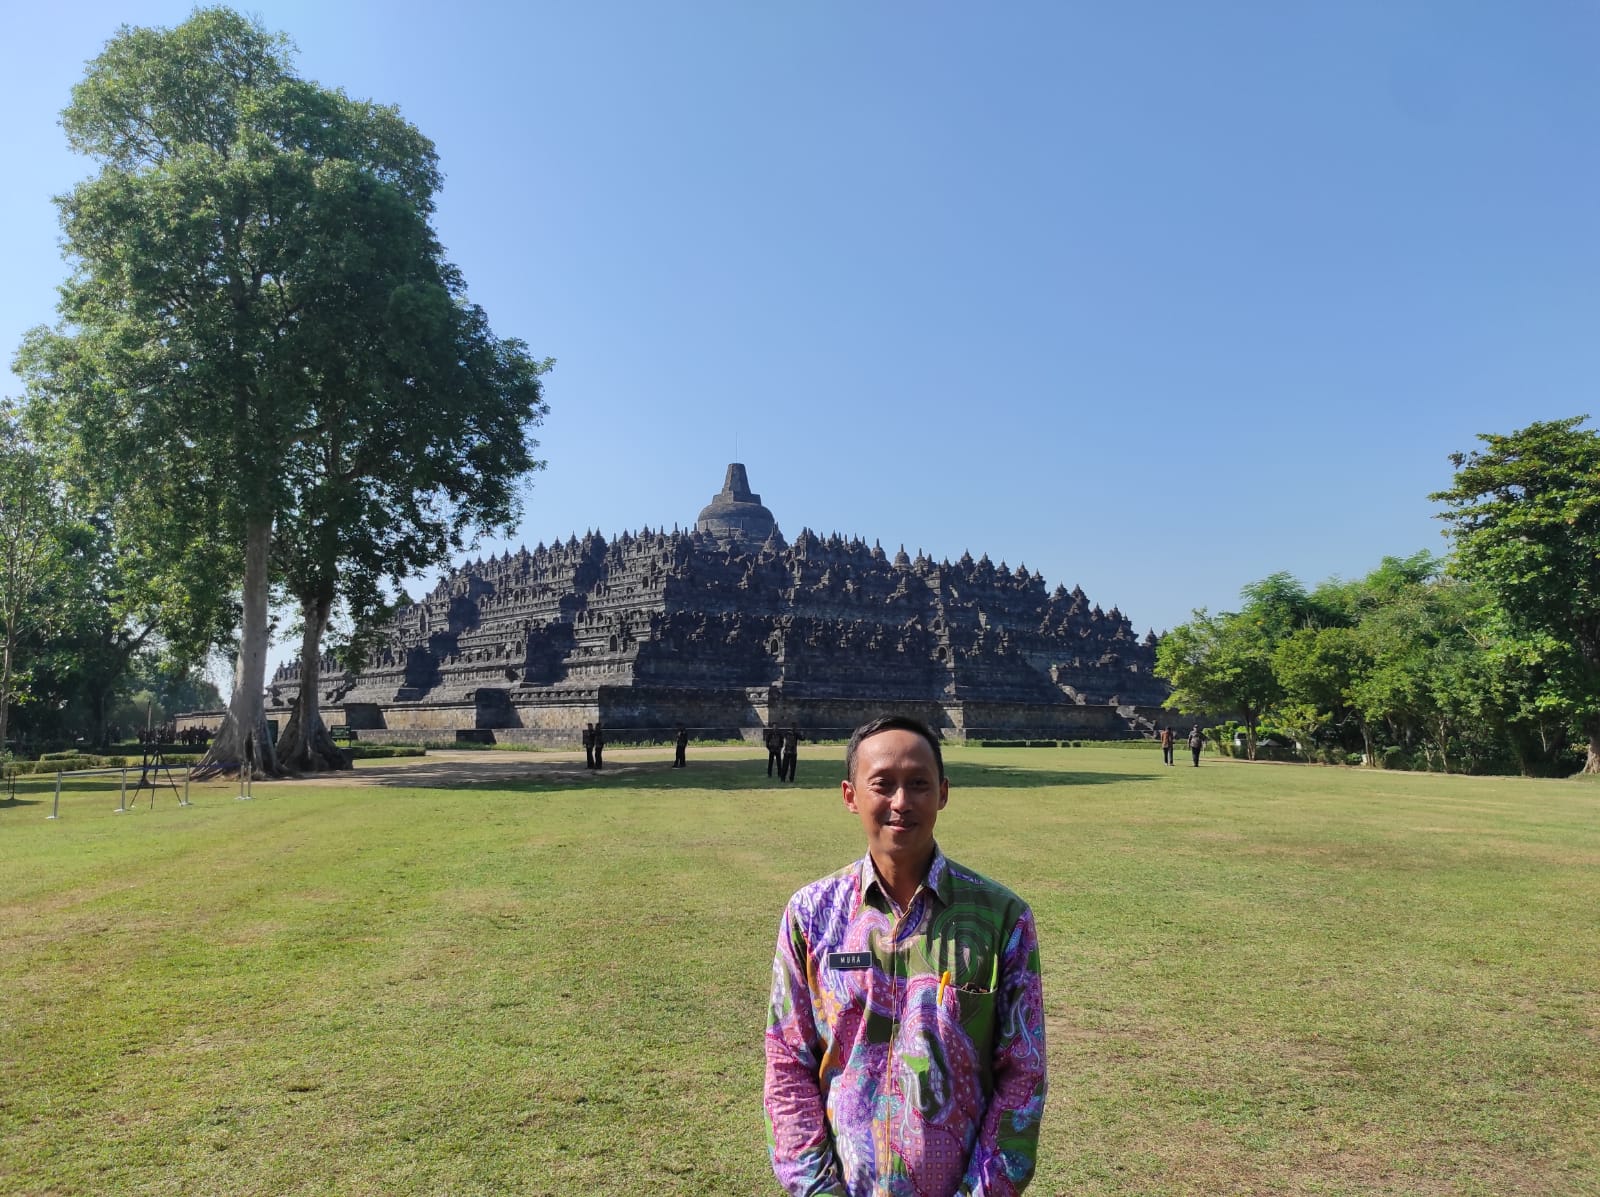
x,y
1259,979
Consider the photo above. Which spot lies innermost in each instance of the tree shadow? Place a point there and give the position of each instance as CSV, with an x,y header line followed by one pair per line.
x,y
965,774
736,774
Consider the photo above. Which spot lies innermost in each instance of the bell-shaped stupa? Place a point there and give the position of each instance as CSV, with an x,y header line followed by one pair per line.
x,y
735,517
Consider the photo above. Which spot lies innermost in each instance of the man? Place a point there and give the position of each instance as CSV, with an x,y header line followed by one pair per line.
x,y
681,742
1167,739
588,746
791,753
773,739
599,746
1196,742
905,1039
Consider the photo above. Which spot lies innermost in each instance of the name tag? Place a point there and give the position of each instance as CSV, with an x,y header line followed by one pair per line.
x,y
849,961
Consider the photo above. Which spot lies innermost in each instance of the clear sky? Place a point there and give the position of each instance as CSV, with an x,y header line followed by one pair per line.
x,y
1158,298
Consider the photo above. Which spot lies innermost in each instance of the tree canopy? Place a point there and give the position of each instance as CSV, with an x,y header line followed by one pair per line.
x,y
278,371
1524,513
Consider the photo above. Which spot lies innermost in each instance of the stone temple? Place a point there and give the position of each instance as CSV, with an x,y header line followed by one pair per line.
x,y
729,629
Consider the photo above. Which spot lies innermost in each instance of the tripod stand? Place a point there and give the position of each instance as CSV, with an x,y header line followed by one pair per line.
x,y
155,763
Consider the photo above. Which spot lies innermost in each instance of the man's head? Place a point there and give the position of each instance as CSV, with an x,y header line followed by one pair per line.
x,y
891,723
895,784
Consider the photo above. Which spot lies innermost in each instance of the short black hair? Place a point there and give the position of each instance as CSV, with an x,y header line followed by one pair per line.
x,y
891,723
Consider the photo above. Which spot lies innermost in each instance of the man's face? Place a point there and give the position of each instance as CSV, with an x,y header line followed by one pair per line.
x,y
898,794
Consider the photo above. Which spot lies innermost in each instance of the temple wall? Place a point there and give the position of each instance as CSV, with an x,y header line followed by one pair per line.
x,y
1005,720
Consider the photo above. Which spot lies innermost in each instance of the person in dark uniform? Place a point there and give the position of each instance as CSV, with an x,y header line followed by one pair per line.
x,y
773,739
682,744
1196,742
791,753
588,746
599,746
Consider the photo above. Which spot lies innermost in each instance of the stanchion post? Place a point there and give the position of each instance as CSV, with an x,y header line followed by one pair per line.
x,y
122,804
55,809
187,773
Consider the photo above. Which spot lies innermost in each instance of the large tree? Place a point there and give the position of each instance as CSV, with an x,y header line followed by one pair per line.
x,y
1525,515
254,255
32,523
420,436
1221,663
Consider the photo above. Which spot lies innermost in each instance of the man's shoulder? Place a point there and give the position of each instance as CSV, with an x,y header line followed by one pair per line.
x,y
825,889
970,887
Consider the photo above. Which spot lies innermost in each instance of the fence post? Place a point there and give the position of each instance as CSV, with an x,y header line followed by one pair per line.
x,y
122,804
187,773
55,809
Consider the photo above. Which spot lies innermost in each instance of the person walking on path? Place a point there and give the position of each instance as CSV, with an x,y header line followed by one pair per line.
x,y
1167,739
588,746
599,746
773,738
1196,742
682,744
791,753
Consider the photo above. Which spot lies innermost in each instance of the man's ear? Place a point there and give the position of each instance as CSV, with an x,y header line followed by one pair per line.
x,y
848,793
944,791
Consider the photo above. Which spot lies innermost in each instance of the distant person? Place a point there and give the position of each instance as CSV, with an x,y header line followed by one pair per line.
x,y
588,746
773,738
599,746
905,1042
1167,741
1196,742
681,741
791,753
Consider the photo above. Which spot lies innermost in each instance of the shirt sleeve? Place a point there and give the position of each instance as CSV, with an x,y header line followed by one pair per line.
x,y
1007,1146
798,1138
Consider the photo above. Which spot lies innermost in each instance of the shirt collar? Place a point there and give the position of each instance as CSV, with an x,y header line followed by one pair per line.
x,y
937,882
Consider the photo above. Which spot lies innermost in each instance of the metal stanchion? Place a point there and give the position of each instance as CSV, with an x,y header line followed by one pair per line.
x,y
244,783
185,800
122,806
55,808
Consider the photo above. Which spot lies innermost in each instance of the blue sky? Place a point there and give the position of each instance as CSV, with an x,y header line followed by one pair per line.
x,y
1158,298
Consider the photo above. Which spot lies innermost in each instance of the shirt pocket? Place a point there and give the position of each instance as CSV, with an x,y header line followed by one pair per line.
x,y
975,1011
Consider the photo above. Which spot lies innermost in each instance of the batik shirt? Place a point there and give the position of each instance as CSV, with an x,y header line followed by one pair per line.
x,y
884,1078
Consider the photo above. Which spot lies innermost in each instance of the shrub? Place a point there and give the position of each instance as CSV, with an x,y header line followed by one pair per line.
x,y
383,751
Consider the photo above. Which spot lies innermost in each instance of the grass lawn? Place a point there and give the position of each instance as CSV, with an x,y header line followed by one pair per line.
x,y
1258,979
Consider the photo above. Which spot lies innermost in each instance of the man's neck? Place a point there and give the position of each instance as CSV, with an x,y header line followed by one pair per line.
x,y
900,881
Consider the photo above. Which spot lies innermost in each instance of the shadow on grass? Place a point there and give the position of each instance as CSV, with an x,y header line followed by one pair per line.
x,y
720,774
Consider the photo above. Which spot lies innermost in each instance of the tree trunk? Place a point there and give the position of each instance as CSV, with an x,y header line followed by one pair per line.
x,y
1366,745
1591,729
306,745
5,690
243,737
1250,733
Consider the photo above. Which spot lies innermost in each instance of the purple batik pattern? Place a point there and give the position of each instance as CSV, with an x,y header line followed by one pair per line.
x,y
880,1081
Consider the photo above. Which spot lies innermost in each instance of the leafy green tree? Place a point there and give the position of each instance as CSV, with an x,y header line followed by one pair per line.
x,y
1222,664
400,470
1525,516
1315,668
257,288
32,523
